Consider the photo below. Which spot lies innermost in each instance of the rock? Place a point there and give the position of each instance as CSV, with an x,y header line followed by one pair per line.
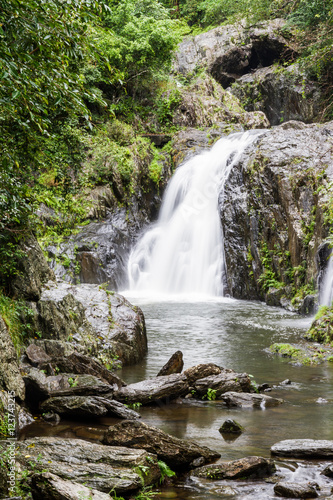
x,y
308,305
87,406
201,371
39,386
303,448
10,377
153,390
248,467
177,453
46,485
174,365
58,348
33,271
36,355
204,103
226,381
287,381
321,327
295,490
99,467
103,322
328,471
271,196
81,364
231,427
273,296
245,400
281,93
51,418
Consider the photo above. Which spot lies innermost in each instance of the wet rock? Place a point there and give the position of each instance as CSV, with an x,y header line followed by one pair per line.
x,y
177,453
39,386
99,467
295,490
174,365
308,305
226,381
51,418
36,355
201,371
273,296
47,485
248,467
244,400
282,95
58,348
81,364
269,199
33,271
87,406
150,391
103,322
328,471
303,448
231,427
10,377
287,381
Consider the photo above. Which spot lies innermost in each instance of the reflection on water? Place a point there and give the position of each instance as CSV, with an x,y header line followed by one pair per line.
x,y
233,334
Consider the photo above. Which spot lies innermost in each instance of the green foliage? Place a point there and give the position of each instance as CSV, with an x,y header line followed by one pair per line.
x,y
166,105
268,278
211,394
18,317
322,328
165,470
290,351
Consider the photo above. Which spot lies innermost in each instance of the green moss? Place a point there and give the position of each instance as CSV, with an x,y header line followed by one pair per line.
x,y
290,351
322,327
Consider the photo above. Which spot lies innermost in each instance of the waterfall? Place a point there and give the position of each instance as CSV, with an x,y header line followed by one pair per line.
x,y
183,252
326,293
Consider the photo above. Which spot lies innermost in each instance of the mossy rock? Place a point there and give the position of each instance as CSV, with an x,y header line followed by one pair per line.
x,y
322,327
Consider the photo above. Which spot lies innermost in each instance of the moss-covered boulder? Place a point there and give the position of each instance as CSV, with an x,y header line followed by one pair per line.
x,y
322,327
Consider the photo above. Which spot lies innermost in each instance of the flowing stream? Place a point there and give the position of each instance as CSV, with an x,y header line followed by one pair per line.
x,y
175,270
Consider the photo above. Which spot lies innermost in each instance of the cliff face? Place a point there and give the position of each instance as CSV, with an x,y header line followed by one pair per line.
x,y
273,213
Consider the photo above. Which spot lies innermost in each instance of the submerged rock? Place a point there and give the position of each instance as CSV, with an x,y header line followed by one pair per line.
x,y
174,365
245,400
248,467
328,471
231,427
303,448
99,467
296,490
177,453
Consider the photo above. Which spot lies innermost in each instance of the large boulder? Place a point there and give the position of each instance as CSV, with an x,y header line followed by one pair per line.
x,y
103,468
10,376
177,453
248,467
103,322
33,271
283,94
166,387
87,407
226,381
273,212
303,448
46,485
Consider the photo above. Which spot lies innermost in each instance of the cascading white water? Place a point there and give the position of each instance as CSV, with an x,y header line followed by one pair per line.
x,y
183,252
326,293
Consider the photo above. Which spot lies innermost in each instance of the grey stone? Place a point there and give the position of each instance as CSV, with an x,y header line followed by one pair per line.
x,y
153,390
295,490
248,467
49,486
244,400
100,467
226,381
303,448
10,376
177,453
